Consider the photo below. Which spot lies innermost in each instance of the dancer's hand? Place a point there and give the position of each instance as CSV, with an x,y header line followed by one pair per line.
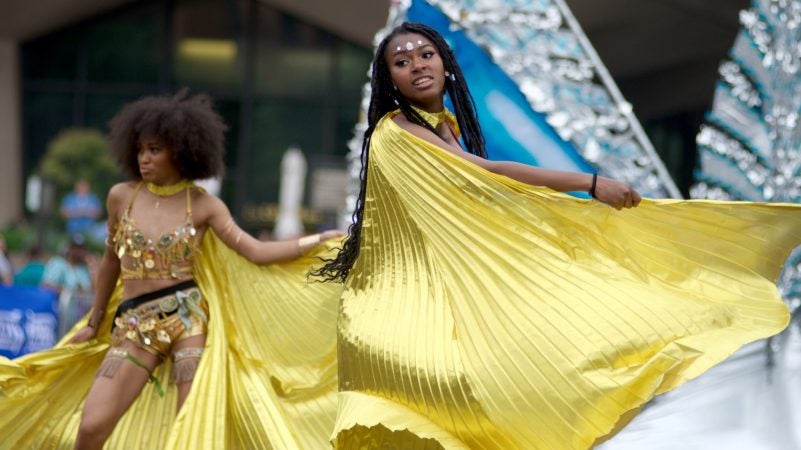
x,y
307,243
616,193
83,335
331,234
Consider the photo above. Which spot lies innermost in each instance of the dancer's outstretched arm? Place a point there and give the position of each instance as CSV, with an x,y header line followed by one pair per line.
x,y
612,192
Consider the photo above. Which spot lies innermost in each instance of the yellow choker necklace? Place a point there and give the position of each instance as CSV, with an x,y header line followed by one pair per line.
x,y
166,191
434,119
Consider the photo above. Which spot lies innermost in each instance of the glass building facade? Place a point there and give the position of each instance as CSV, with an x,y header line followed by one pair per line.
x,y
277,82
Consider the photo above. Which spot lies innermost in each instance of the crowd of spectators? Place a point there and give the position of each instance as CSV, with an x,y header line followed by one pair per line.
x,y
68,274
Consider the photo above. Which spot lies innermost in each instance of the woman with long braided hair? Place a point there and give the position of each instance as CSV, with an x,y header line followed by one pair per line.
x,y
482,309
417,97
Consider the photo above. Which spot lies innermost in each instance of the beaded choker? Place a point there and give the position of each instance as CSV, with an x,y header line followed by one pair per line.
x,y
166,191
434,119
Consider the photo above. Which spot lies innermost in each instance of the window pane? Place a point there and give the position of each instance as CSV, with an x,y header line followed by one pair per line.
x,y
45,115
352,69
100,108
229,111
347,116
52,57
277,126
125,47
208,48
293,58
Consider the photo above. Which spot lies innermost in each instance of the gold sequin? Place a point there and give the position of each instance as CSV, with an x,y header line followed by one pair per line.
x,y
147,325
163,336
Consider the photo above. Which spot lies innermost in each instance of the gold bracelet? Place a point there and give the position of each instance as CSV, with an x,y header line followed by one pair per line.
x,y
307,243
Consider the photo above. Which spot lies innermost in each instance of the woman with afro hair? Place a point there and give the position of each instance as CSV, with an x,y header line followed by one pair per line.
x,y
482,309
174,290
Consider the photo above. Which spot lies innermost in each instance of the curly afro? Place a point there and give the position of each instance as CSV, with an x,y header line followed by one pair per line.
x,y
188,125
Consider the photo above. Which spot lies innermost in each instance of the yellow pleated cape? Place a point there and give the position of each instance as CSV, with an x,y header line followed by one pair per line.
x,y
267,378
484,313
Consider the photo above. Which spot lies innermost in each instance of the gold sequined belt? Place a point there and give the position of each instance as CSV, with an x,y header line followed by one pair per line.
x,y
168,305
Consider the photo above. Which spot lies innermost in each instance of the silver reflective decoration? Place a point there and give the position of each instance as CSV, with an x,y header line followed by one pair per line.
x,y
749,146
756,111
539,44
547,54
541,47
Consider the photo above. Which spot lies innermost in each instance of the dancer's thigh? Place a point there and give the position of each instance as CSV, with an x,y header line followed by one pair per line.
x,y
110,397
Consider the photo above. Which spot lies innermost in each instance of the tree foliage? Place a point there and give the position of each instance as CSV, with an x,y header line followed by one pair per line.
x,y
79,153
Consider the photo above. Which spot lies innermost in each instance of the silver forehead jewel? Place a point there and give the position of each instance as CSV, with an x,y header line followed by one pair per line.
x,y
409,46
398,49
419,42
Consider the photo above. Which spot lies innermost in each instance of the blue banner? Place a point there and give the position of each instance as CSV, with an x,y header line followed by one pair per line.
x,y
28,320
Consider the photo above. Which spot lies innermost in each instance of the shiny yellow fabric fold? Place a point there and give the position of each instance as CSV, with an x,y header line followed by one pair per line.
x,y
484,313
267,378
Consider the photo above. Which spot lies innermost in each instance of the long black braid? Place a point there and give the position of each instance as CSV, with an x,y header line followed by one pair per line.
x,y
384,99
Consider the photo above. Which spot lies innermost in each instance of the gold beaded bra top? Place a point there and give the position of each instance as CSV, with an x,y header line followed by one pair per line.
x,y
169,257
